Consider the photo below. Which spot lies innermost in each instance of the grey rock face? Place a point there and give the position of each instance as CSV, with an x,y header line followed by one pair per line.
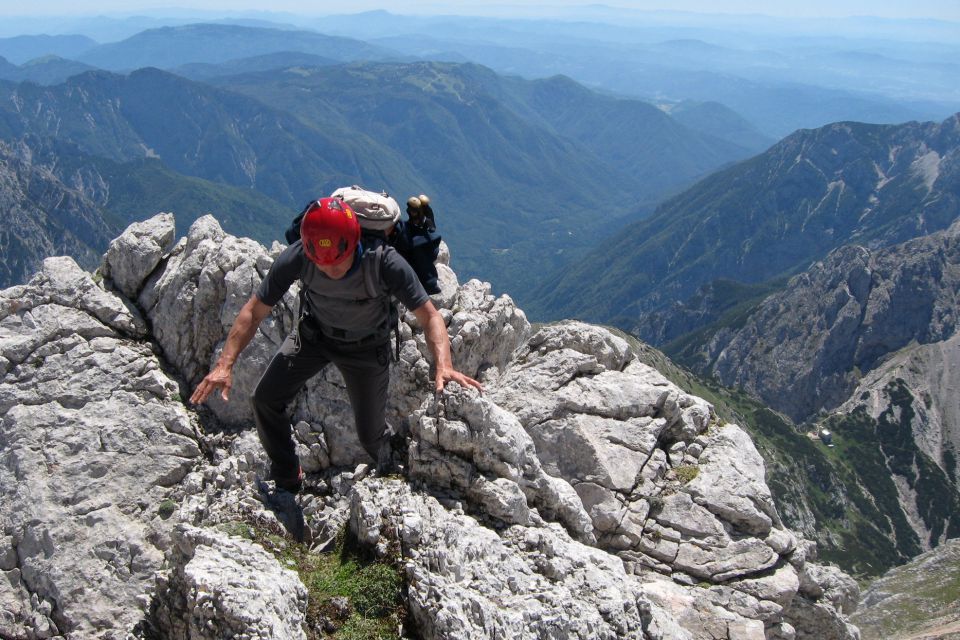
x,y
194,299
136,253
596,499
526,582
931,374
799,352
222,587
92,437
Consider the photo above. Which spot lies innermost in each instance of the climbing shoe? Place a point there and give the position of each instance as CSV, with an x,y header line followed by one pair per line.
x,y
293,484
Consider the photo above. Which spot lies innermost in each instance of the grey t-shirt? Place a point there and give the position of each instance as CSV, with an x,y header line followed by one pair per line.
x,y
345,303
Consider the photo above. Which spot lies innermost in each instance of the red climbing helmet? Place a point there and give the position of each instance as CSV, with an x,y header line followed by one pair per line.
x,y
330,231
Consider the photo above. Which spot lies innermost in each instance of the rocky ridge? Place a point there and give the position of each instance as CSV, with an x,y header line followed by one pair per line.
x,y
805,349
582,496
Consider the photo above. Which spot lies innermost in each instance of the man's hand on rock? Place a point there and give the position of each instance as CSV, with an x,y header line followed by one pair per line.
x,y
452,375
221,378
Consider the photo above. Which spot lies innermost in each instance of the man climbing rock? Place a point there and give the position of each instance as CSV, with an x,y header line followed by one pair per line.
x,y
345,318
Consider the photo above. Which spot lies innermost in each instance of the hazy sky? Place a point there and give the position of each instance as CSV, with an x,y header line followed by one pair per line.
x,y
941,9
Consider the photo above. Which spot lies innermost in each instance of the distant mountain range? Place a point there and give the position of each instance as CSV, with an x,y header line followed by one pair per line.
x,y
203,71
513,164
779,83
46,70
21,49
768,217
168,47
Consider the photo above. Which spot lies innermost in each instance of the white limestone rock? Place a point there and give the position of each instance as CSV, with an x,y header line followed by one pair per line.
x,y
467,582
92,437
194,299
731,482
474,438
133,256
63,287
484,331
819,581
222,587
449,287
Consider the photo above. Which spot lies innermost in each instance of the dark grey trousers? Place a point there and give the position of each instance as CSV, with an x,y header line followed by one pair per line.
x,y
366,371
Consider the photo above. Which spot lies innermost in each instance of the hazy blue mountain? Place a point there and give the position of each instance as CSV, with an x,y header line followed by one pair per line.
x,y
7,69
20,49
777,82
196,130
718,120
169,47
46,70
645,152
769,216
267,62
658,151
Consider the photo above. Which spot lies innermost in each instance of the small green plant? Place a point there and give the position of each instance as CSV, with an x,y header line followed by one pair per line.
x,y
166,509
686,472
238,529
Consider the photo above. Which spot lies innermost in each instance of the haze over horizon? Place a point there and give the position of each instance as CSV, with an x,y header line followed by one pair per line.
x,y
947,10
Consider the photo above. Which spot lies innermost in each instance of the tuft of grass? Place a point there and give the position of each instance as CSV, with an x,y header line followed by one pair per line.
x,y
238,529
374,589
686,473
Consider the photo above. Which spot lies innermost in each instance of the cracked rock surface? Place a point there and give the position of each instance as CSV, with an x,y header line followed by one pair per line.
x,y
92,438
581,496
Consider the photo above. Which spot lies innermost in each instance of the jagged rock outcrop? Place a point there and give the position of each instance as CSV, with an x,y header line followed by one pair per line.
x,y
582,487
223,587
804,349
92,438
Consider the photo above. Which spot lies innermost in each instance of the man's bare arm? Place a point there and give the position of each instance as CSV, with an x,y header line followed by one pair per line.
x,y
439,344
241,333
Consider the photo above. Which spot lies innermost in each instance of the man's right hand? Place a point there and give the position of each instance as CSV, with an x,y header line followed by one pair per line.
x,y
220,378
241,333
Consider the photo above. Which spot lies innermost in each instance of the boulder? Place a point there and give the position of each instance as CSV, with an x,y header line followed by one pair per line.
x,y
224,587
